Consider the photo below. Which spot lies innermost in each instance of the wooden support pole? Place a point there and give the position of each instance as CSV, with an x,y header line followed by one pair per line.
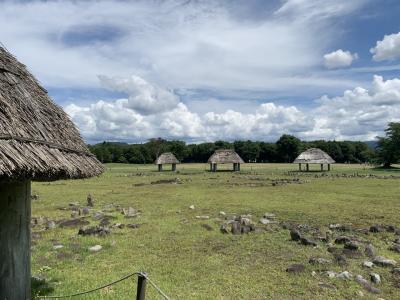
x,y
173,167
329,167
238,167
211,167
214,167
322,167
15,240
300,167
307,167
234,167
159,167
141,287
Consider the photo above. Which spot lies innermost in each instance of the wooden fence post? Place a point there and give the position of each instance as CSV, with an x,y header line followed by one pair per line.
x,y
141,287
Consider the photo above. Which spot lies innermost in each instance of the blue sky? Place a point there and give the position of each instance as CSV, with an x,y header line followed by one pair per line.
x,y
206,70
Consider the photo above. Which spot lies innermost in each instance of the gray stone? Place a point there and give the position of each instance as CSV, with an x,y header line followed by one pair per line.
x,y
224,229
269,216
370,250
98,215
236,228
207,227
395,248
221,213
352,245
191,207
133,226
364,283
74,214
245,221
319,261
56,247
295,235
331,274
130,212
396,271
90,200
344,275
342,240
368,264
376,228
96,248
96,230
384,262
375,278
326,286
296,268
201,217
307,241
50,225
265,221
85,211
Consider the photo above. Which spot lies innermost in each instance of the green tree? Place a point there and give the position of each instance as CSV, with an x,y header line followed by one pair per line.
x,y
288,148
388,150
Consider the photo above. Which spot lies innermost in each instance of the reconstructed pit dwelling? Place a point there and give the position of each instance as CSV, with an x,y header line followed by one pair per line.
x,y
37,142
167,158
225,156
314,156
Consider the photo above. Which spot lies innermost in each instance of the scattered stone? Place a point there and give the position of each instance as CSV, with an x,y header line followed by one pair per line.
x,y
74,214
221,213
370,250
391,228
396,271
129,213
313,273
236,228
224,229
295,235
342,240
98,215
375,228
56,247
340,259
375,278
191,207
245,221
50,225
384,262
368,264
73,222
360,294
105,221
352,246
96,248
340,227
202,217
118,225
207,227
331,274
397,240
344,275
326,286
395,248
363,282
296,268
90,200
352,253
269,216
95,230
247,229
307,242
319,261
133,226
265,221
85,211
34,197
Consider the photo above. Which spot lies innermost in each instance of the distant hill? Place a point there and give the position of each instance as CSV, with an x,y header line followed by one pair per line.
x,y
372,144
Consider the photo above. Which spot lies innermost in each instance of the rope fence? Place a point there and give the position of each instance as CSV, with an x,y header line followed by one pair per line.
x,y
143,278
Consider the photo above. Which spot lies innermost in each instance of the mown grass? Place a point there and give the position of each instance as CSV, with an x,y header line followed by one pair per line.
x,y
189,262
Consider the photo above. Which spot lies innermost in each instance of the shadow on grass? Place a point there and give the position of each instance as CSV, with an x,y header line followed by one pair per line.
x,y
385,169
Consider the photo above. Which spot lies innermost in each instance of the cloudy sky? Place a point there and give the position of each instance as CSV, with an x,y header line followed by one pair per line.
x,y
201,70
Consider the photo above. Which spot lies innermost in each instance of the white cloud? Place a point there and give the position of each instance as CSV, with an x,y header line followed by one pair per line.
x,y
388,48
359,114
339,59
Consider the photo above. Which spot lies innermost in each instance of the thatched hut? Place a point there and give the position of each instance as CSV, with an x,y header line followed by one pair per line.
x,y
225,156
167,158
314,156
37,142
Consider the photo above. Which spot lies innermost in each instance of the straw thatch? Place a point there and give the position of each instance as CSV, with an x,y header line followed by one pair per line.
x,y
225,156
37,139
314,156
166,158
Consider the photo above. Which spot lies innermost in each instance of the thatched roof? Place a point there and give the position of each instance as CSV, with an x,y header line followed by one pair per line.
x,y
314,156
37,139
166,158
225,156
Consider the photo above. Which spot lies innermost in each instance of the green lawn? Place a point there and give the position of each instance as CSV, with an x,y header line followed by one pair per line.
x,y
189,262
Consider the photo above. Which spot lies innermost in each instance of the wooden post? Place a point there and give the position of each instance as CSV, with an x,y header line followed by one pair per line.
x,y
238,167
15,240
234,167
211,167
322,167
307,167
214,167
329,167
173,167
141,287
159,167
300,167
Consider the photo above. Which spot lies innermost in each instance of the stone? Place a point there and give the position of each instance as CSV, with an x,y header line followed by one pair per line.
x,y
34,197
319,261
95,248
222,213
352,253
368,264
375,228
207,227
246,229
360,294
50,225
340,227
352,245
295,235
73,222
269,216
90,200
202,217
307,241
384,262
364,283
340,259
395,248
375,278
396,271
345,275
96,230
118,225
191,207
56,247
85,211
98,215
391,228
296,268
236,228
342,240
397,240
331,274
74,214
265,221
133,226
370,250
224,229
245,221
129,213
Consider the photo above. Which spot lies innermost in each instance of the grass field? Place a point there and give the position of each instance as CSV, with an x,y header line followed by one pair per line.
x,y
189,262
